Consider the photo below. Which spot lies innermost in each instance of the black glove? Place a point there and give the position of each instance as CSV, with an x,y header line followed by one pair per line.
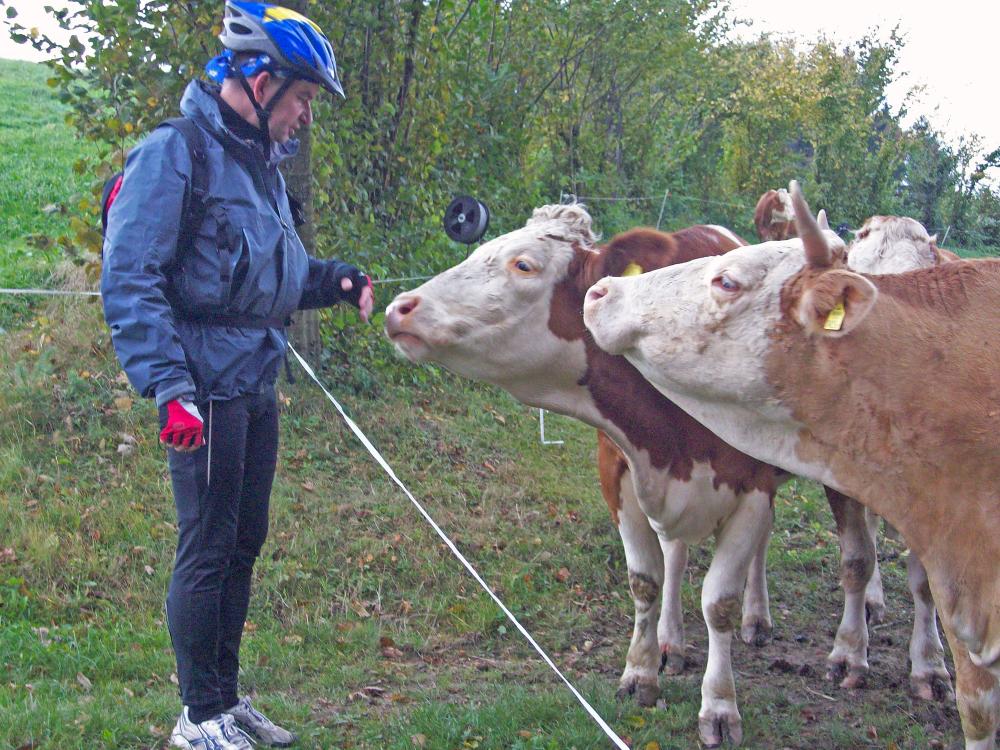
x,y
358,279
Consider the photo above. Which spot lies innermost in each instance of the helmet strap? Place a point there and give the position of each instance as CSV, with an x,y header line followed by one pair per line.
x,y
264,113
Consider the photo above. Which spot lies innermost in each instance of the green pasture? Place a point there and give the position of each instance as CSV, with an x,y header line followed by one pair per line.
x,y
364,631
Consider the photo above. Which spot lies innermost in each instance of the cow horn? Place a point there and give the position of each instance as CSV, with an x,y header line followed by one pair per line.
x,y
821,219
817,251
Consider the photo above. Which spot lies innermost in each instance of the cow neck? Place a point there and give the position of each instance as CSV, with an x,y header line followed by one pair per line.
x,y
647,426
892,434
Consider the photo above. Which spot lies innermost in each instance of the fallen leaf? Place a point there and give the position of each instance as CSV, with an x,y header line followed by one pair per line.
x,y
392,653
562,575
149,569
81,678
308,486
173,678
652,745
872,732
385,641
123,403
419,740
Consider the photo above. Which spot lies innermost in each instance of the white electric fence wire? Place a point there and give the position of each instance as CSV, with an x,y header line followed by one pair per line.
x,y
468,566
51,292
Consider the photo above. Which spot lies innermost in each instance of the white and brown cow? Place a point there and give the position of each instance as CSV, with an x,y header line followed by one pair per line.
x,y
774,216
511,314
886,387
894,244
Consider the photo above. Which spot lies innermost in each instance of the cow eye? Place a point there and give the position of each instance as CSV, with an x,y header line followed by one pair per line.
x,y
523,266
726,283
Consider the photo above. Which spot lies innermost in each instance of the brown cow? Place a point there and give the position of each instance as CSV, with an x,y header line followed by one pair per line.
x,y
886,387
774,216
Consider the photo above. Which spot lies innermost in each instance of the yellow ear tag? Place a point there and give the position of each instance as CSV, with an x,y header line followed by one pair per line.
x,y
632,269
835,320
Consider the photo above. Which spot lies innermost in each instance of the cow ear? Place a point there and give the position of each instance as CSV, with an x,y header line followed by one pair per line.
x,y
835,302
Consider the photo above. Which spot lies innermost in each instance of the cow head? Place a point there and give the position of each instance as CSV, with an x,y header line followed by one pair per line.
x,y
774,216
892,244
488,317
701,330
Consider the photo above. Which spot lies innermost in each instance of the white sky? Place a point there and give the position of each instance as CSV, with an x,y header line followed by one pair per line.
x,y
951,49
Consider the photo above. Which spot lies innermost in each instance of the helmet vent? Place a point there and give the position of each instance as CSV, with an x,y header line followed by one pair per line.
x,y
238,28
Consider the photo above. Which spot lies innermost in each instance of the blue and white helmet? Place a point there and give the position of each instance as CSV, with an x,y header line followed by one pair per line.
x,y
295,45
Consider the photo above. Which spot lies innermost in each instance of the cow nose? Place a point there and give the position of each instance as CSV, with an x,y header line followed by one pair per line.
x,y
399,309
596,292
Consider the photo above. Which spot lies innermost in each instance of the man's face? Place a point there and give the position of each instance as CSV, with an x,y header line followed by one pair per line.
x,y
293,110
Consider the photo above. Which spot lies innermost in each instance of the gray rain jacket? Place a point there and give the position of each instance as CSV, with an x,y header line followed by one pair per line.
x,y
246,260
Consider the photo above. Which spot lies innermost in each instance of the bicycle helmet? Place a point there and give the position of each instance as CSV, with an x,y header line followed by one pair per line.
x,y
296,45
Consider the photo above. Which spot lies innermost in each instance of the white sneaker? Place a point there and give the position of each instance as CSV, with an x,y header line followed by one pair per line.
x,y
218,733
254,723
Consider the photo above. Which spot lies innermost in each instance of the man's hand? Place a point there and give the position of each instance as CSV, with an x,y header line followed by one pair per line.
x,y
184,427
366,300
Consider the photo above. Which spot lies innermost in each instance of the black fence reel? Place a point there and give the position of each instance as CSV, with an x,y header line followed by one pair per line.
x,y
466,219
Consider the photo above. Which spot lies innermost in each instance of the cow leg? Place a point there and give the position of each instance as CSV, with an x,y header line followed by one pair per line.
x,y
848,661
978,697
929,678
874,594
736,543
645,580
757,626
670,633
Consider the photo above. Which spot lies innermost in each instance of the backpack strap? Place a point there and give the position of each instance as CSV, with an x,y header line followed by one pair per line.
x,y
194,213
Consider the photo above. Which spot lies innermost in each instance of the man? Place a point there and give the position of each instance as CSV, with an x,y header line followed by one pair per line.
x,y
197,319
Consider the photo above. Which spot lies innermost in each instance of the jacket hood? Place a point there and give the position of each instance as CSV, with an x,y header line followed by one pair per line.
x,y
200,104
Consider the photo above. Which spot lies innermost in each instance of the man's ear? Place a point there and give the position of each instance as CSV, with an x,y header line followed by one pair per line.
x,y
835,302
259,86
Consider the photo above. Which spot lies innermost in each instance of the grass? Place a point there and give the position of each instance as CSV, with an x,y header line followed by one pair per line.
x,y
37,153
364,632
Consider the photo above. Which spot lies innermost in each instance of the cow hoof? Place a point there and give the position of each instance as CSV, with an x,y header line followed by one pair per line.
x,y
645,693
757,633
718,729
874,611
671,663
932,687
846,676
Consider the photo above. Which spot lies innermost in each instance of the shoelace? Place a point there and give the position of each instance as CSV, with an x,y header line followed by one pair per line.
x,y
233,733
256,714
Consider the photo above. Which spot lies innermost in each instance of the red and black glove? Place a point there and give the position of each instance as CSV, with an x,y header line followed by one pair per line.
x,y
359,280
183,430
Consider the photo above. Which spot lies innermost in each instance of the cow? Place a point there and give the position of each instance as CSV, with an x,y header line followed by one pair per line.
x,y
897,244
774,216
885,387
894,244
511,314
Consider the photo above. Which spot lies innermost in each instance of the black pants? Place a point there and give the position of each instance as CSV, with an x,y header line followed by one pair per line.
x,y
222,524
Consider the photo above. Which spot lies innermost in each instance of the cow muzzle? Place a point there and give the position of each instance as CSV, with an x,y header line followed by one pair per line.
x,y
605,313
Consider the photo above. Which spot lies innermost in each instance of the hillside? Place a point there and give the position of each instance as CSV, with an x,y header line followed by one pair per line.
x,y
37,153
364,631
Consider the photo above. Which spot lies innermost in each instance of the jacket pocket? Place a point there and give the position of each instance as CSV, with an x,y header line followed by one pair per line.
x,y
232,250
